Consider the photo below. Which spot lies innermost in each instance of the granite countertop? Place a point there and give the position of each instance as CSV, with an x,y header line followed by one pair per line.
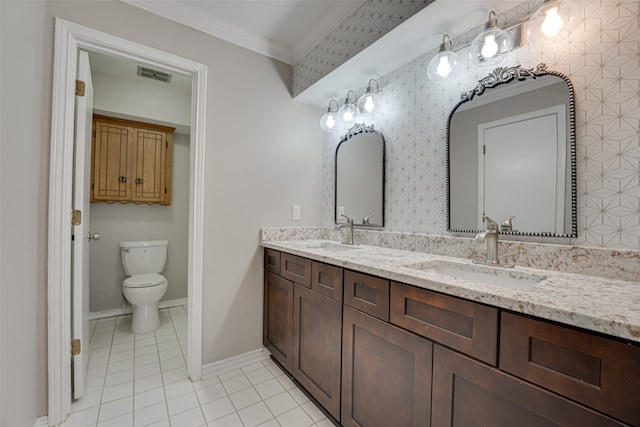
x,y
608,306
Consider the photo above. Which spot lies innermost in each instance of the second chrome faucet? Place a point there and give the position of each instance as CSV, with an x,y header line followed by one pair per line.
x,y
490,236
349,226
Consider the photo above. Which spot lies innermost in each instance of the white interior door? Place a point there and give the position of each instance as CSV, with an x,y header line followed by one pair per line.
x,y
522,170
80,247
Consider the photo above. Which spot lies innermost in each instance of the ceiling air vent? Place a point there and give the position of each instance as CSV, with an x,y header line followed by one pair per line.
x,y
154,74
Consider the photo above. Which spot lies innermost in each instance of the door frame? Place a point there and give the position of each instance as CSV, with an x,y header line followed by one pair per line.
x,y
69,37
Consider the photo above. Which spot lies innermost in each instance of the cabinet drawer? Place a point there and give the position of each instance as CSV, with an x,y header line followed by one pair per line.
x,y
466,326
598,372
367,293
327,280
272,261
296,269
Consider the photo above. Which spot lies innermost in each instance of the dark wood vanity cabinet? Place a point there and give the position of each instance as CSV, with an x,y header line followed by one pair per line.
x,y
379,353
317,329
468,393
277,317
386,378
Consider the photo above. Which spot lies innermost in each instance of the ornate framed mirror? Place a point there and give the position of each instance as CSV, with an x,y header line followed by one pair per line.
x,y
359,178
511,153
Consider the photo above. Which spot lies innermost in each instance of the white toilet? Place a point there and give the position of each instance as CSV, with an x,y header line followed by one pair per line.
x,y
143,262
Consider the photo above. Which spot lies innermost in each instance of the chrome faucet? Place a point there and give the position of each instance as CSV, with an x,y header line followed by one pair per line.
x,y
349,227
490,235
365,220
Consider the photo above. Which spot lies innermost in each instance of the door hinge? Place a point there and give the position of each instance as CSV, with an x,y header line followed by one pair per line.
x,y
80,88
76,217
75,347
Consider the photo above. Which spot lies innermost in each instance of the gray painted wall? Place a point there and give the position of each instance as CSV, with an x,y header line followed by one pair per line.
x,y
263,154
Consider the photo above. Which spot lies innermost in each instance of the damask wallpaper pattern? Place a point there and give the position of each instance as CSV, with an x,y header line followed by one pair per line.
x,y
601,57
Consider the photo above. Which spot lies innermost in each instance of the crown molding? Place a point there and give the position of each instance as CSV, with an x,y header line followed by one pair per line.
x,y
180,12
338,14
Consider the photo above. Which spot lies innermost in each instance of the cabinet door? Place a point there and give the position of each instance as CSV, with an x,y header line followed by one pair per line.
x,y
150,167
277,328
112,154
317,329
467,393
386,374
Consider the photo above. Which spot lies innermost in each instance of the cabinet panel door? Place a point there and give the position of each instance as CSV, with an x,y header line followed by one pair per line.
x,y
466,326
296,269
317,345
112,154
467,393
327,280
272,261
367,293
595,371
277,330
149,167
386,374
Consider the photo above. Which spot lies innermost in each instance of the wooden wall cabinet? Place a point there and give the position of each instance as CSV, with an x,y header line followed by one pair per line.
x,y
130,161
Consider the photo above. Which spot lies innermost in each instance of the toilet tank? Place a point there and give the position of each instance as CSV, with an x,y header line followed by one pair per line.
x,y
142,257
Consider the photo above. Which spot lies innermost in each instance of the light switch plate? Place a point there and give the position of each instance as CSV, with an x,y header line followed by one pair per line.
x,y
295,212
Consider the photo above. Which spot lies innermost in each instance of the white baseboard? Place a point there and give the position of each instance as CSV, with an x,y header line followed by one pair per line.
x,y
235,362
42,422
128,310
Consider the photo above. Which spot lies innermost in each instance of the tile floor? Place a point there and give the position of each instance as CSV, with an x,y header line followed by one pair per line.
x,y
141,380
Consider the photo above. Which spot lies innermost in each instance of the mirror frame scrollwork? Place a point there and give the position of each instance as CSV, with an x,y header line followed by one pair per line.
x,y
500,76
357,129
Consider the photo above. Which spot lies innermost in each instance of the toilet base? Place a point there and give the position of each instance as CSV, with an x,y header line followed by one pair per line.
x,y
145,319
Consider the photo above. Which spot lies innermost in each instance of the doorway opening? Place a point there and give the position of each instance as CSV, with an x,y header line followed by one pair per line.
x,y
70,38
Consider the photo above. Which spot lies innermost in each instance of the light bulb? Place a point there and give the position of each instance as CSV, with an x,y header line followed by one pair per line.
x,y
444,68
490,47
347,116
552,23
330,122
369,105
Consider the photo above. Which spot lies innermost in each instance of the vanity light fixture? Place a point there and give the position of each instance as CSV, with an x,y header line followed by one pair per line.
x,y
369,102
329,119
445,64
348,112
489,47
550,18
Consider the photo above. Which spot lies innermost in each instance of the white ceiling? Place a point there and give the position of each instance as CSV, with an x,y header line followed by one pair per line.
x,y
282,29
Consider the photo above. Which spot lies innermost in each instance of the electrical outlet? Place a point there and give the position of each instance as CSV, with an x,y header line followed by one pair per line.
x,y
295,212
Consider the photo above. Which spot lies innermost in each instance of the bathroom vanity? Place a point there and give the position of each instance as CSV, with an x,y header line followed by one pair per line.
x,y
383,337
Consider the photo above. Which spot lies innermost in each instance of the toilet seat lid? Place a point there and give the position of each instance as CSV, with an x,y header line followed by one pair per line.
x,y
144,280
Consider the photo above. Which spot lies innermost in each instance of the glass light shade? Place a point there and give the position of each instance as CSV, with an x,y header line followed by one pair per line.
x,y
443,66
348,112
328,121
553,20
489,47
369,104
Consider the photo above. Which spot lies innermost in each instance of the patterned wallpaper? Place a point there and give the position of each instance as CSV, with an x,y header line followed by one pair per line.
x,y
602,58
367,24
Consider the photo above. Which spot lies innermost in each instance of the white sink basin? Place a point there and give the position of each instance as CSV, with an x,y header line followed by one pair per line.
x,y
326,246
496,276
